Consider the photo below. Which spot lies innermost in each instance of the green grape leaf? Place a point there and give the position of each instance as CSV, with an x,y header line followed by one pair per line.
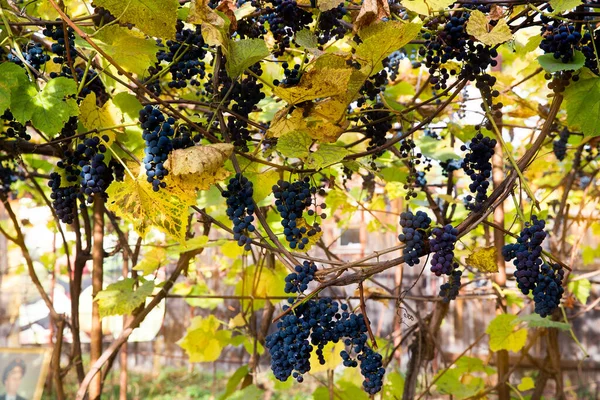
x,y
48,110
11,77
451,383
307,39
250,392
155,17
343,390
393,387
581,289
503,335
294,144
563,5
243,54
130,49
583,100
120,298
551,64
152,260
535,321
203,341
382,39
234,381
326,154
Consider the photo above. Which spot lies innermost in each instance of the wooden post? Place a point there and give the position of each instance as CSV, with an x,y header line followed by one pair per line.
x,y
97,278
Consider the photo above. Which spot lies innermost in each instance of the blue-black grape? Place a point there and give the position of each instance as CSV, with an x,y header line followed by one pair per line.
x,y
442,244
291,199
371,368
414,234
329,26
526,254
240,209
15,129
297,282
57,33
450,289
560,39
33,54
96,175
64,199
560,146
8,176
157,132
478,166
548,289
377,123
285,18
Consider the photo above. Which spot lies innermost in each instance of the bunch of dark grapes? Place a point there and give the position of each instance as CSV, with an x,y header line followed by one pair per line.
x,y
57,33
96,175
102,16
92,84
64,199
377,123
450,289
251,27
291,76
477,165
415,178
157,132
8,176
183,138
368,185
560,146
373,87
285,18
185,56
34,56
548,289
589,48
15,129
392,63
291,199
442,244
315,323
526,254
450,166
240,209
414,234
329,26
297,282
560,39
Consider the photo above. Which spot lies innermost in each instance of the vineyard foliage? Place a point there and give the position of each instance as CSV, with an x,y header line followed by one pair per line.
x,y
248,126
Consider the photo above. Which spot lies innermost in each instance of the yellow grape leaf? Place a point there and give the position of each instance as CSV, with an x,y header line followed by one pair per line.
x,y
203,341
371,11
301,223
326,5
262,282
478,26
325,122
426,7
331,354
197,167
503,335
215,24
154,17
316,84
262,183
120,298
294,144
94,117
563,5
326,154
201,12
153,260
484,259
237,321
526,384
135,201
380,40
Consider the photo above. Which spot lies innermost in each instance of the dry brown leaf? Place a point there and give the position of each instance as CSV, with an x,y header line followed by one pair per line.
x,y
228,8
371,11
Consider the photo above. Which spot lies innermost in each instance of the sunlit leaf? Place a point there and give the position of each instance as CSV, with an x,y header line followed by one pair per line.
x,y
121,298
478,26
154,17
484,259
504,335
204,341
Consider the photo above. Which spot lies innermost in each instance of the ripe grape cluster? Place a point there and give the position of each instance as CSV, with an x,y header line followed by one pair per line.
x,y
477,165
526,254
64,199
240,208
548,290
185,56
377,123
560,146
34,56
157,132
291,199
442,244
315,323
8,176
285,18
96,175
414,234
560,39
57,33
329,26
450,289
15,129
291,75
297,282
